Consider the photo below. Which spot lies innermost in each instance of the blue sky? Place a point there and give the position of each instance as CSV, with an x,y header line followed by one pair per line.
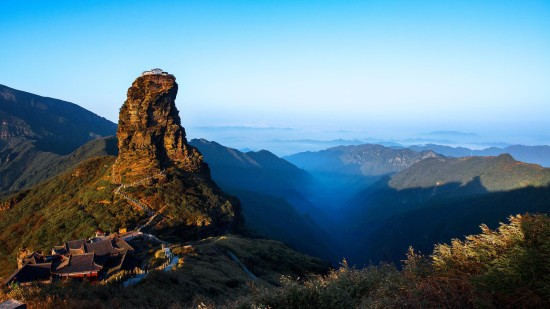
x,y
374,68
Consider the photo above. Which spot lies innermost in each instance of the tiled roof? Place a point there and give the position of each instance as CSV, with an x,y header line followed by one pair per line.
x,y
102,247
34,258
30,272
83,263
75,244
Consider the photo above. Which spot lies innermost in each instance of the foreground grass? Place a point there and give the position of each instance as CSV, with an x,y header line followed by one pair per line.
x,y
506,268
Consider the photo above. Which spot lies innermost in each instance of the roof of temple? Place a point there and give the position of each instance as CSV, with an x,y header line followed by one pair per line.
x,y
101,247
30,273
75,244
34,258
83,263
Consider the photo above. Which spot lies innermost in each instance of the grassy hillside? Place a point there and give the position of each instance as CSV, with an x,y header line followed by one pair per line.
x,y
75,204
502,268
24,165
72,205
499,173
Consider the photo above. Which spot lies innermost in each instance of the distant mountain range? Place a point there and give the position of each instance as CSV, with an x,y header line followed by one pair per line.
x,y
530,154
52,125
38,133
365,160
342,171
385,199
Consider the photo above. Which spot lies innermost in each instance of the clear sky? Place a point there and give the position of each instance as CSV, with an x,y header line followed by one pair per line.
x,y
376,67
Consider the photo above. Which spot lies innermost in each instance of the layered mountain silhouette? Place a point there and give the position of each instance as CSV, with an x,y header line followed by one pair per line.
x,y
530,154
37,131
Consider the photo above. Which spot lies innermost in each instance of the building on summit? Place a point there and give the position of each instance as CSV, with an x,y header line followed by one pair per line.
x,y
156,71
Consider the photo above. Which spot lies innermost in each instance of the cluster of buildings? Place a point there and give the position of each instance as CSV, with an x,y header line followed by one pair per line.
x,y
97,258
156,71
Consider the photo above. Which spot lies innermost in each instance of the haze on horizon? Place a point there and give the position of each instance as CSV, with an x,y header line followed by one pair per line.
x,y
326,69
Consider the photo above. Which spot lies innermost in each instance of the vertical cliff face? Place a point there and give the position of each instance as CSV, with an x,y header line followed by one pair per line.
x,y
150,135
151,140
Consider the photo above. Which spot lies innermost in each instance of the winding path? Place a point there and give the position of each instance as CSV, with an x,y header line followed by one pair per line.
x,y
243,267
174,259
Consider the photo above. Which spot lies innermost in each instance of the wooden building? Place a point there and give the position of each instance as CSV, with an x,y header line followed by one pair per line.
x,y
99,258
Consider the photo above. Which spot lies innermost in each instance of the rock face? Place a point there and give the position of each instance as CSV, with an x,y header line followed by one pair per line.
x,y
161,173
150,135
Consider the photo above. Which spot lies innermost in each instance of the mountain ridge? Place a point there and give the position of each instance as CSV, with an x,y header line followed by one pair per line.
x,y
442,198
53,125
530,154
36,131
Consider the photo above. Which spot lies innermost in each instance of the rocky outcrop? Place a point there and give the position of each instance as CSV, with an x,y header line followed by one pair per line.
x,y
160,171
12,201
150,135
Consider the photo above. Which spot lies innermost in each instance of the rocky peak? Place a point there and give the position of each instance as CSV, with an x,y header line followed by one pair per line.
x,y
150,135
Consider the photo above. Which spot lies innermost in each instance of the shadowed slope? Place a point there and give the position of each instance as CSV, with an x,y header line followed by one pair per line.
x,y
441,198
